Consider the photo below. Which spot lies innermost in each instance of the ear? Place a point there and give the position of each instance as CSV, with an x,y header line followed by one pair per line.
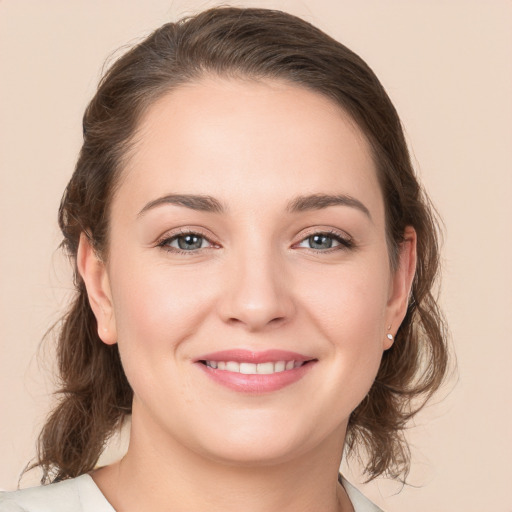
x,y
400,285
94,274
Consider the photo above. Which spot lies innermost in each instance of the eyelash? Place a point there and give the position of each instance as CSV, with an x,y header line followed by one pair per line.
x,y
164,242
344,242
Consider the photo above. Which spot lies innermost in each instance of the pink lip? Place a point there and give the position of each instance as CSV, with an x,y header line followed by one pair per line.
x,y
248,356
255,384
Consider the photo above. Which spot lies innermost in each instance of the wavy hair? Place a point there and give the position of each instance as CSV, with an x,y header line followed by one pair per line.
x,y
258,44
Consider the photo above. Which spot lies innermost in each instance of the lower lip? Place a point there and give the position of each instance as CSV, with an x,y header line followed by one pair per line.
x,y
256,383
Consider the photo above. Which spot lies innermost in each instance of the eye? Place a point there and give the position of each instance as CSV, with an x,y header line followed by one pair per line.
x,y
185,242
325,241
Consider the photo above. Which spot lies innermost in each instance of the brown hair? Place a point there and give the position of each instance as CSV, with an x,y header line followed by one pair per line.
x,y
260,44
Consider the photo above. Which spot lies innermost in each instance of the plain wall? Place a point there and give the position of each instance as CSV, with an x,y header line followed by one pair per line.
x,y
447,65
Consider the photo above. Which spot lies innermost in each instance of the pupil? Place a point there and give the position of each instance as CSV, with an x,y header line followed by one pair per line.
x,y
190,242
320,242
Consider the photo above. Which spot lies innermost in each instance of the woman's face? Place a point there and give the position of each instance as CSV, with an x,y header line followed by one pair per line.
x,y
248,282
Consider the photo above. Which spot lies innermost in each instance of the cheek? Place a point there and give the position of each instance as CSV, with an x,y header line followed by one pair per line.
x,y
348,302
158,306
158,309
348,309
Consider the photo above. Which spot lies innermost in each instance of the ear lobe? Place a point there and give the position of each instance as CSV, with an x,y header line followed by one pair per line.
x,y
94,274
401,284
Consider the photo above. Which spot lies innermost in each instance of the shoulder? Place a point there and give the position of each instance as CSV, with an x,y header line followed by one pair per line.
x,y
74,495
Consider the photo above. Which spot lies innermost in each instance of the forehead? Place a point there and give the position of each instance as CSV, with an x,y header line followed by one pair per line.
x,y
244,141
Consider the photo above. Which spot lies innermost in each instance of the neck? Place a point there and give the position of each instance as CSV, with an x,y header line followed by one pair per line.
x,y
160,474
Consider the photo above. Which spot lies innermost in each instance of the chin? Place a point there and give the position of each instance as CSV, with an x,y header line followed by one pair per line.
x,y
255,455
266,445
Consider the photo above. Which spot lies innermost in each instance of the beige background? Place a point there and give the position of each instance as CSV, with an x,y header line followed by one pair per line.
x,y
448,67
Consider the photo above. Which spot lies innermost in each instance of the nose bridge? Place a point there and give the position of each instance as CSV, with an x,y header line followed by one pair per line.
x,y
258,291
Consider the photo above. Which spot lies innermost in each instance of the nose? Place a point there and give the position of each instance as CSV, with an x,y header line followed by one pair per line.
x,y
258,292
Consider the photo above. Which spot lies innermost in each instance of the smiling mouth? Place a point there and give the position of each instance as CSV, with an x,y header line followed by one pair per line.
x,y
255,372
246,368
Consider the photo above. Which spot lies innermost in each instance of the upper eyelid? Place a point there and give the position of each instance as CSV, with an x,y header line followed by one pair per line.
x,y
339,233
304,233
183,232
344,242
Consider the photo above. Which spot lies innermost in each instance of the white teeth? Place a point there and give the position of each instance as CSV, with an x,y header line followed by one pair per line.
x,y
280,366
248,368
266,368
253,368
232,366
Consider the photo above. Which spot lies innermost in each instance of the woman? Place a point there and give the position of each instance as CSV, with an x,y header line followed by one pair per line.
x,y
254,260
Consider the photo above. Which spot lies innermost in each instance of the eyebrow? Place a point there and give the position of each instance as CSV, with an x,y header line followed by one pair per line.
x,y
194,202
320,201
205,203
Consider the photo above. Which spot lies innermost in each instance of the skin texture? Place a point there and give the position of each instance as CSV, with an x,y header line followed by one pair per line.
x,y
255,283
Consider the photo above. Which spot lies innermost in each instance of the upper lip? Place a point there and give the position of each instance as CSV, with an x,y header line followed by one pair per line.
x,y
249,356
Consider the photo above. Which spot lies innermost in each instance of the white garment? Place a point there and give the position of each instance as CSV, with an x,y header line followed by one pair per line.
x,y
81,494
